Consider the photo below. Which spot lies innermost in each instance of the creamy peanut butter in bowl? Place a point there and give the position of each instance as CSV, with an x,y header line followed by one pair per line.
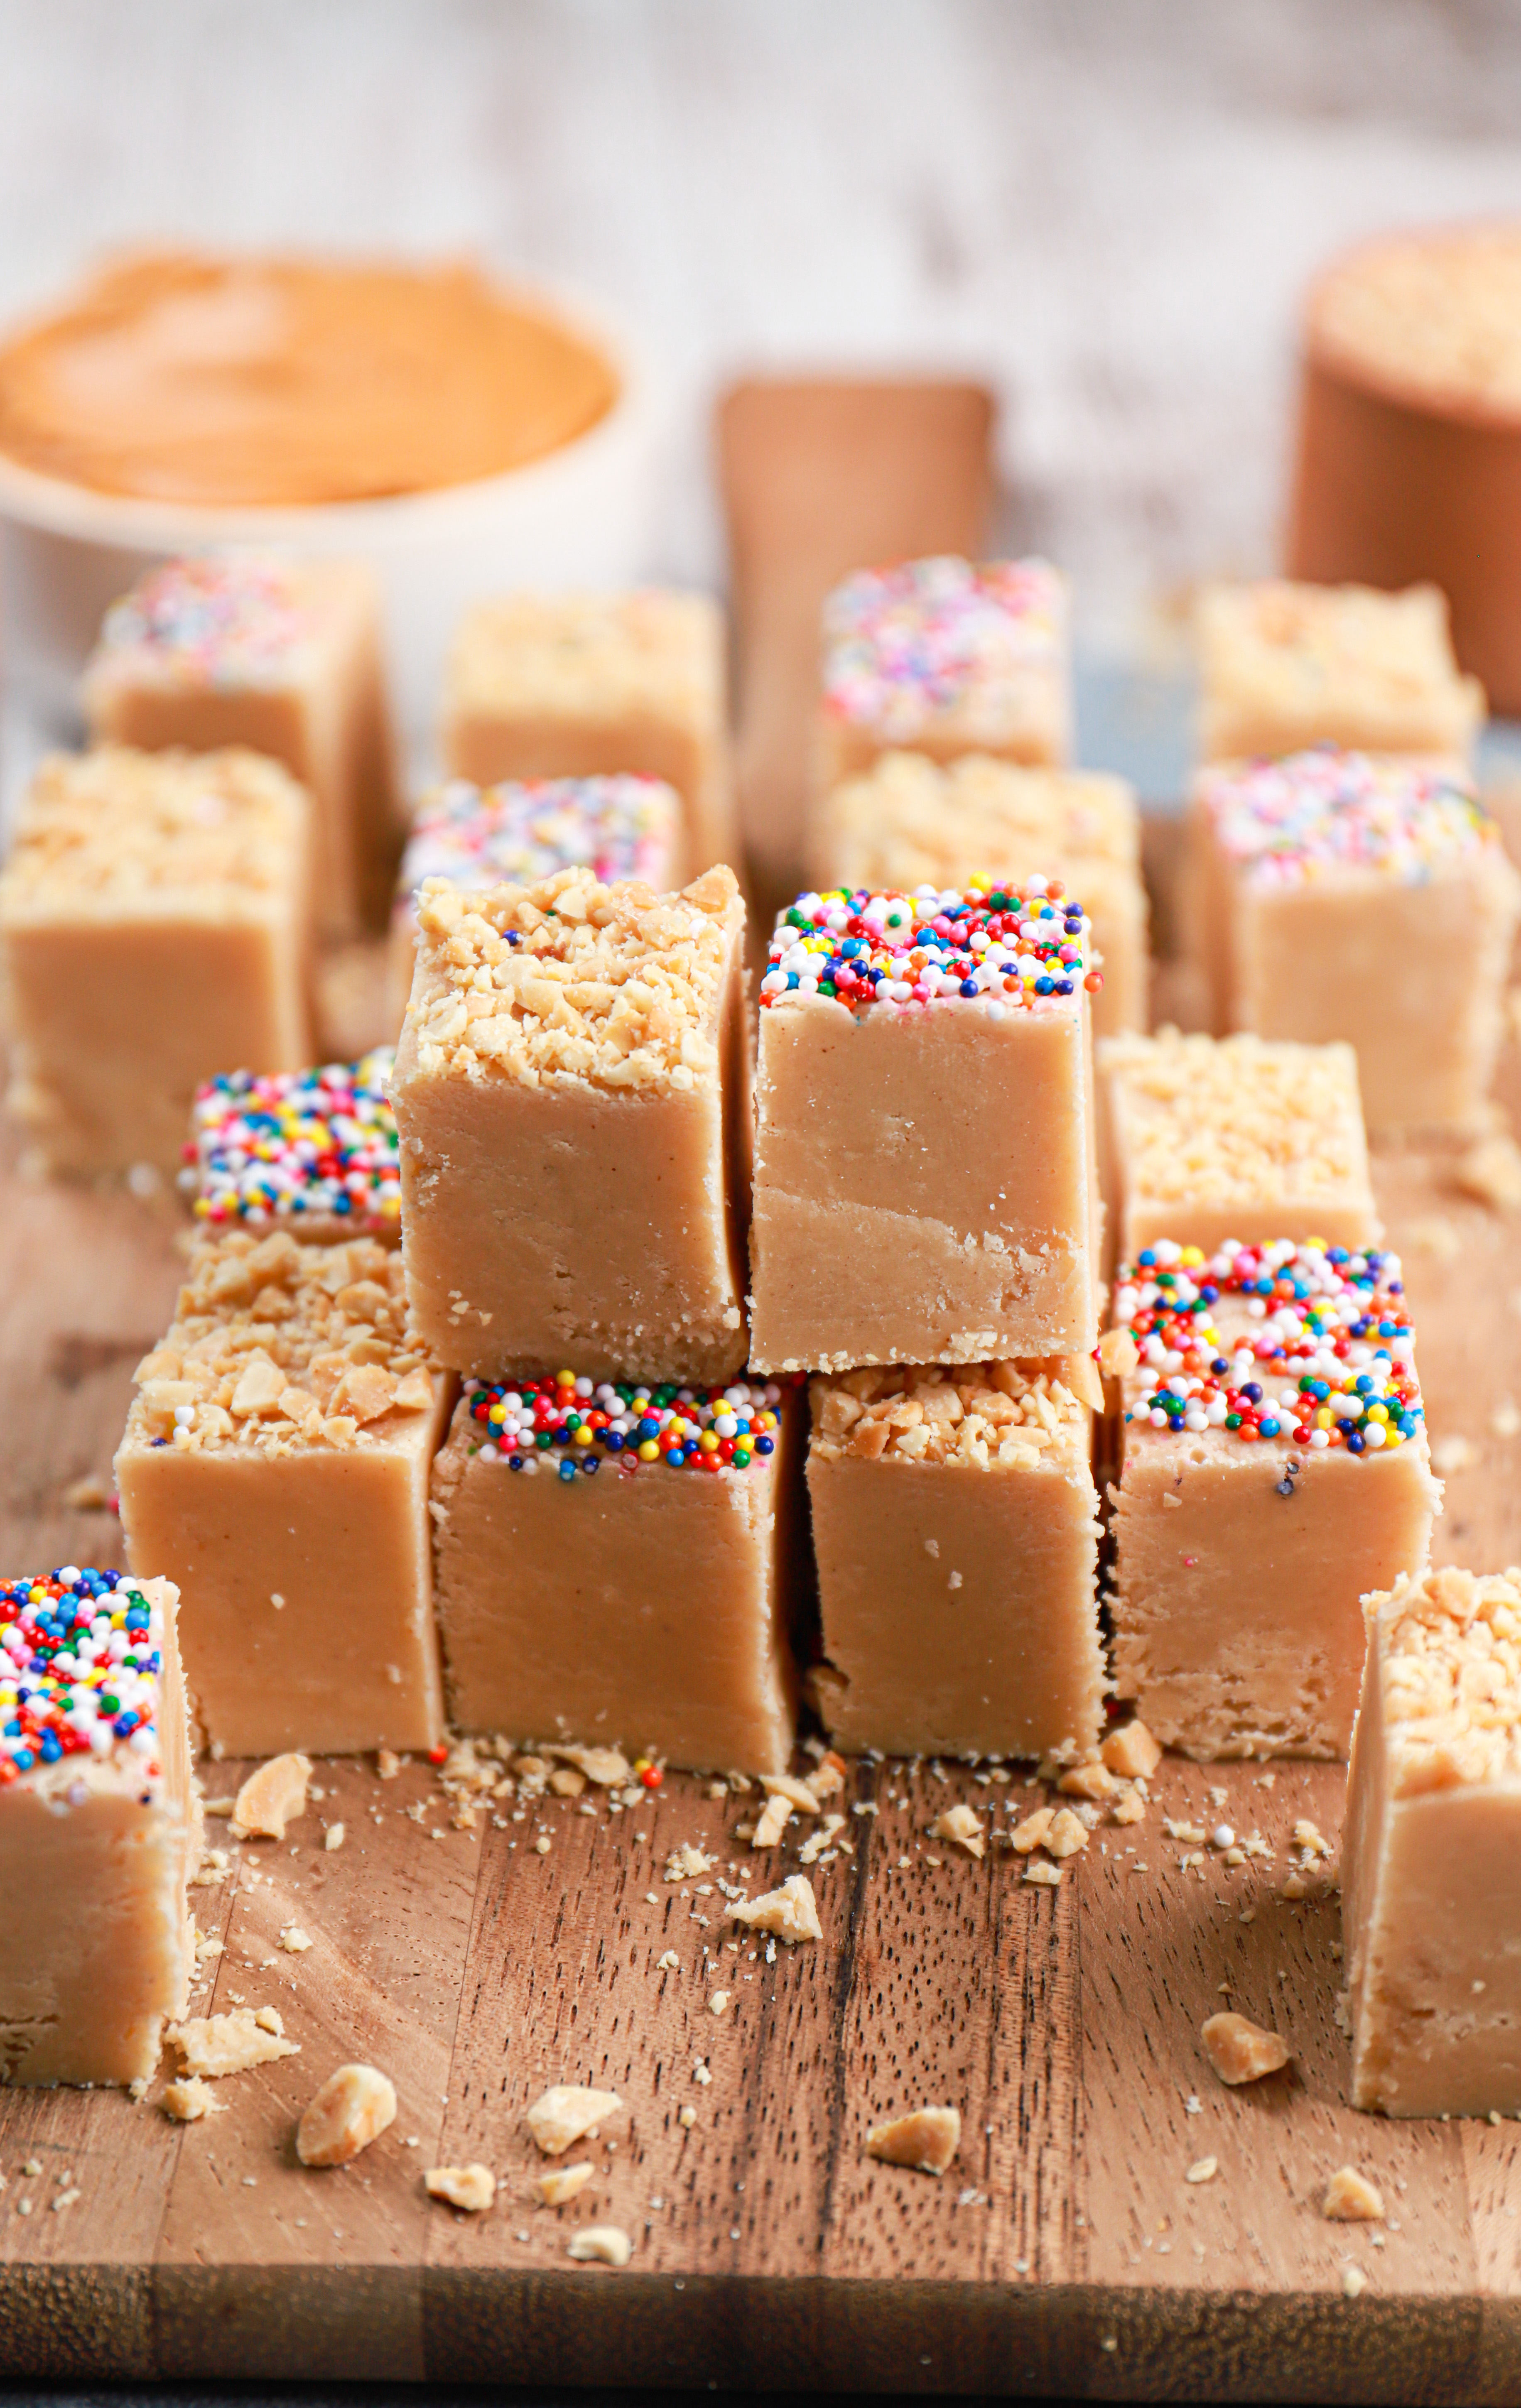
x,y
460,434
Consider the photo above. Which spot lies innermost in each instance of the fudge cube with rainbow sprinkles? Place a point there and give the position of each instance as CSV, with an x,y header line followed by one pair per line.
x,y
311,1151
100,1828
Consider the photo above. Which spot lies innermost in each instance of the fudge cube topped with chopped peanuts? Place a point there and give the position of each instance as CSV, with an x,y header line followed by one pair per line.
x,y
580,685
572,1093
99,1826
1362,897
1430,1880
955,1530
1208,1139
925,1183
276,1462
944,657
1274,1469
1284,665
313,1150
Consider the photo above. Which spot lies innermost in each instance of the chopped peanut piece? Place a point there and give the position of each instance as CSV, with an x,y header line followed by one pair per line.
x,y
271,1798
567,2113
187,2101
606,1766
774,1817
1351,2199
216,2044
1086,1780
608,2243
827,1778
566,1782
790,1913
816,1843
1067,1834
1242,2050
1032,1833
1131,1751
1131,1808
1045,1876
335,1836
958,1823
927,2140
562,2184
686,1863
295,1941
472,2187
1203,2169
1312,1840
387,1764
801,1794
352,2108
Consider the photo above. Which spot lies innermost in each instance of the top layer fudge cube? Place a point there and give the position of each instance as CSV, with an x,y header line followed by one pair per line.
x,y
311,1151
945,656
578,685
525,829
1364,897
100,1827
1284,666
283,656
1208,1139
909,822
153,929
925,1181
572,1090
1431,1866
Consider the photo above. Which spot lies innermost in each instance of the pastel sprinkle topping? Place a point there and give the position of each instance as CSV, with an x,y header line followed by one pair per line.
x,y
904,643
1010,947
525,829
569,1425
289,1145
80,1653
227,618
1326,1358
1293,819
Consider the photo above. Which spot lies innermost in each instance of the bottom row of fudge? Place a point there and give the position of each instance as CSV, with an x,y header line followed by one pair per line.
x,y
100,1829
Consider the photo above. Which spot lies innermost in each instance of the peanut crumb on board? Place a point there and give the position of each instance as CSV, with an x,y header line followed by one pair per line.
x,y
565,2113
562,2184
1032,1833
1044,1876
790,1913
801,1794
773,1819
1067,1834
471,2187
1089,1780
1241,2051
606,2245
1203,2169
1129,1808
387,1764
1131,1751
926,2140
669,1963
1353,2282
293,1940
188,2100
686,2118
686,1863
335,1836
353,2107
272,1796
213,2045
959,1824
1351,2199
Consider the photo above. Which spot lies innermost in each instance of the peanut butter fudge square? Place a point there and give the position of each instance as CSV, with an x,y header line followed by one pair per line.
x,y
276,1465
1283,666
1432,1867
1274,1469
315,1152
925,1181
945,656
615,1564
520,832
100,1828
908,823
153,927
1207,1139
586,685
572,1090
282,656
1360,896
955,1528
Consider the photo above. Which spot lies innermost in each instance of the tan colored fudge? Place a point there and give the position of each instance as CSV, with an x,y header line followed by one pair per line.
x,y
283,657
572,1090
648,1605
275,1464
1209,1138
945,656
955,1530
314,1152
1432,1868
925,1166
100,1827
525,830
1274,1468
1283,666
1362,897
153,930
908,821
590,685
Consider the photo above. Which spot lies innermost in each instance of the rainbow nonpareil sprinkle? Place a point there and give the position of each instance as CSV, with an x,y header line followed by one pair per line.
x,y
225,618
81,1655
526,829
1325,810
1005,946
296,1146
1320,1353
567,1427
904,644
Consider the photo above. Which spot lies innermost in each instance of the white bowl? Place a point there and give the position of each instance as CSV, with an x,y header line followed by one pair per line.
x,y
581,516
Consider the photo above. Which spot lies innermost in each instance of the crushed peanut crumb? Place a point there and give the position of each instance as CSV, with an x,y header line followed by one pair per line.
x,y
562,2184
188,2100
608,2243
927,2140
214,2046
1131,1752
565,2113
1241,2051
353,2107
270,1797
789,1913
470,2187
1351,2199
960,1825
